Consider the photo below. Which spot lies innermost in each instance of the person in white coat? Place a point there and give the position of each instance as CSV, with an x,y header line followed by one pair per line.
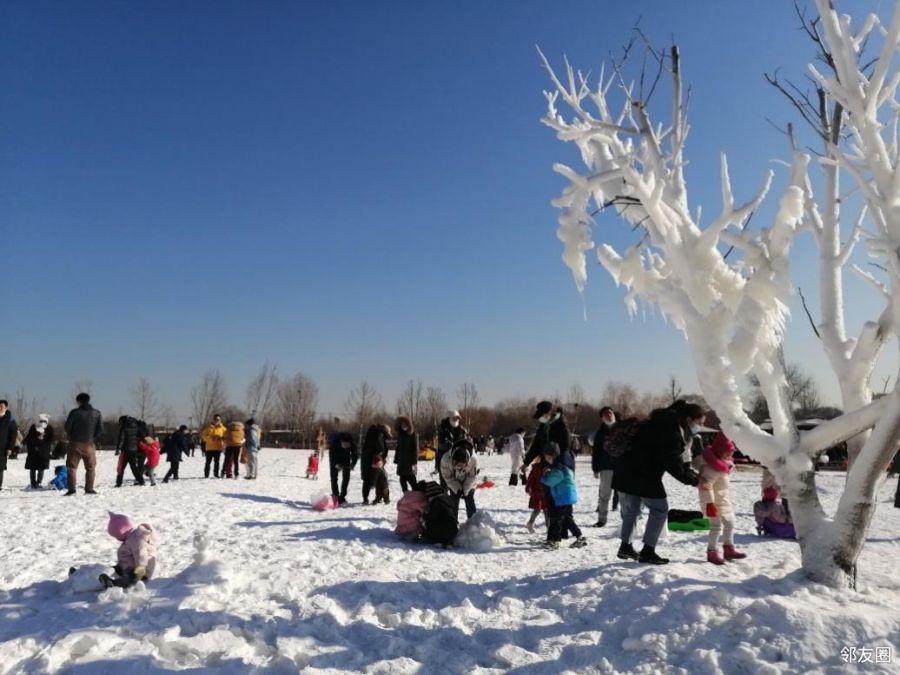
x,y
516,445
459,469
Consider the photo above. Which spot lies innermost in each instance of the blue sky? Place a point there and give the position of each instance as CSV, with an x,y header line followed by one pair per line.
x,y
349,189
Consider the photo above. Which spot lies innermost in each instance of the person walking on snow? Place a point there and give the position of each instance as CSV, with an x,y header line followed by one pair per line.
x,y
213,436
560,482
176,449
342,458
516,445
234,441
84,427
406,456
127,450
714,465
150,447
39,443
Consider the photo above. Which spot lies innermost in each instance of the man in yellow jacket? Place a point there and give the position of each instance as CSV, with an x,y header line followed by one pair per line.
x,y
213,436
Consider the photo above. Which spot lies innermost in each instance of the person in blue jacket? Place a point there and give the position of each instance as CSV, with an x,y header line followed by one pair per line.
x,y
560,482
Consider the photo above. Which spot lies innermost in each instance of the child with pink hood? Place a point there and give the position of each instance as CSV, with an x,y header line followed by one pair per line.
x,y
136,555
714,465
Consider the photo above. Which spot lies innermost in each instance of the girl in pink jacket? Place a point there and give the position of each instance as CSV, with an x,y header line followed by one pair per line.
x,y
136,555
150,447
714,465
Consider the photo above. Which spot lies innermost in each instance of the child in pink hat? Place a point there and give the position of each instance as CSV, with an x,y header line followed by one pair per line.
x,y
714,465
136,555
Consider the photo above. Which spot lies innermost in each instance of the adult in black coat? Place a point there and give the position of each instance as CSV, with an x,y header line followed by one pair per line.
x,y
603,466
406,456
127,444
9,430
658,448
39,443
375,443
450,432
552,428
176,448
342,459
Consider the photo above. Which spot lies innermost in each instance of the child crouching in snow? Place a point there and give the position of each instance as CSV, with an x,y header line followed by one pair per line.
x,y
714,465
136,555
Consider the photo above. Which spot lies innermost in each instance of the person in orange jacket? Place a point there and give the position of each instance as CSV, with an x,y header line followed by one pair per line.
x,y
213,436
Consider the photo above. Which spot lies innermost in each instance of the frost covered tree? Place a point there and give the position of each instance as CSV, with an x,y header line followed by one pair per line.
x,y
733,309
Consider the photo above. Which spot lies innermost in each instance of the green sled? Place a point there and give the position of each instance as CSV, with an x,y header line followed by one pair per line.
x,y
695,525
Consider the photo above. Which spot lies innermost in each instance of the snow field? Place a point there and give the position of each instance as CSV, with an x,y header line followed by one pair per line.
x,y
250,579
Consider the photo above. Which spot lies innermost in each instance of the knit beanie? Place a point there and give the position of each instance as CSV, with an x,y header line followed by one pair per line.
x,y
119,526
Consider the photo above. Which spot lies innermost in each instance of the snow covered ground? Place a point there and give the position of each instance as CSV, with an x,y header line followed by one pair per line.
x,y
252,580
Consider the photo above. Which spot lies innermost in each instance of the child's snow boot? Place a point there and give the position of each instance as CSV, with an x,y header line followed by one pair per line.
x,y
731,553
107,581
712,556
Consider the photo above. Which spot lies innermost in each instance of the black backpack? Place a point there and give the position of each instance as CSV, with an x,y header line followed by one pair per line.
x,y
620,437
441,525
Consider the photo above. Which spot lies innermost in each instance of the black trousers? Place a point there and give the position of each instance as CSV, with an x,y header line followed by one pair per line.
x,y
469,498
896,497
407,483
367,482
344,473
561,520
172,472
37,477
232,461
212,458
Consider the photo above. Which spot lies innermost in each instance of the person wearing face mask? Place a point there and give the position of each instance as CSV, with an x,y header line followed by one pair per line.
x,y
8,432
450,432
603,465
657,448
551,428
39,443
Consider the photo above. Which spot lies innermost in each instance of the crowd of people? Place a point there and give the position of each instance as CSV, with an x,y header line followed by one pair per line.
x,y
628,458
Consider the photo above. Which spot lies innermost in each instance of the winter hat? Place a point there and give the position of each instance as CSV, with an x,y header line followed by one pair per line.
x,y
119,526
770,494
543,408
552,450
461,455
722,446
454,413
149,440
44,417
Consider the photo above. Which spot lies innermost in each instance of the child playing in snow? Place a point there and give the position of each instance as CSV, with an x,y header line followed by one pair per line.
x,y
560,482
714,465
773,518
312,465
380,480
534,488
150,447
136,557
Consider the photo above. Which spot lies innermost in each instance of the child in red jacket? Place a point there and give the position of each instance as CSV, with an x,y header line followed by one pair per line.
x,y
150,447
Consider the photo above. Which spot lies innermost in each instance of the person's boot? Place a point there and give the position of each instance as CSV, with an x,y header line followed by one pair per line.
x,y
731,553
627,552
648,555
579,543
601,522
69,493
712,556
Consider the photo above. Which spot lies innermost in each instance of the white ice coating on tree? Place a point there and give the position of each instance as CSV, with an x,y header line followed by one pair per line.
x,y
734,314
